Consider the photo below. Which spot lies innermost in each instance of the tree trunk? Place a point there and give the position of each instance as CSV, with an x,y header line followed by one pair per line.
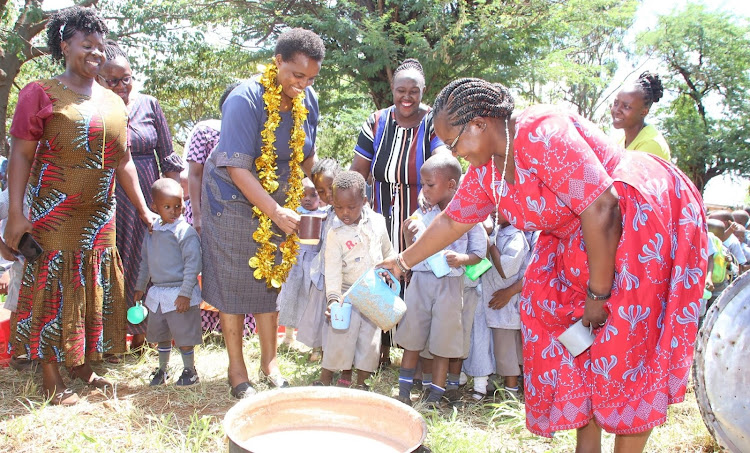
x,y
9,68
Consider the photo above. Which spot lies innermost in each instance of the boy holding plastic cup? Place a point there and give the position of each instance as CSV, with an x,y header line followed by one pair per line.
x,y
434,297
171,260
356,241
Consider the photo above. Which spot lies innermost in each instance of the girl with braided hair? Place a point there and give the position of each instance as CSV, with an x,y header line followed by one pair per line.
x,y
392,146
629,111
622,248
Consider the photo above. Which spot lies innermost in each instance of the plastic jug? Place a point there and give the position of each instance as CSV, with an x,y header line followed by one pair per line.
x,y
376,300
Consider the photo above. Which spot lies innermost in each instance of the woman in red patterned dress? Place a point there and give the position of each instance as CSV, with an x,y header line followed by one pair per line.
x,y
622,247
71,307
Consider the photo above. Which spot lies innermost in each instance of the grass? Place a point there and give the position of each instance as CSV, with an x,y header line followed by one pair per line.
x,y
139,418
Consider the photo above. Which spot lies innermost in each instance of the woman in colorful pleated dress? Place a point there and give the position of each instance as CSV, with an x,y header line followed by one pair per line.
x,y
69,146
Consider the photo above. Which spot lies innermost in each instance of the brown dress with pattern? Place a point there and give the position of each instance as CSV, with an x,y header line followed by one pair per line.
x,y
71,307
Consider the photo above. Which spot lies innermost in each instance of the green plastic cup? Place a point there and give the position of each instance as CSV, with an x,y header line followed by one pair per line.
x,y
137,313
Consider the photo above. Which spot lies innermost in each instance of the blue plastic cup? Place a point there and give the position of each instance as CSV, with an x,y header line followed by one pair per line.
x,y
341,315
439,265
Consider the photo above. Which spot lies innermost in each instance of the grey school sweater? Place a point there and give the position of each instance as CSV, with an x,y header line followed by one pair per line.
x,y
171,257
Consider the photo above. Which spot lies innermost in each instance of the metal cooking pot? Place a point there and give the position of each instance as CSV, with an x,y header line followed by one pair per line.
x,y
329,419
722,367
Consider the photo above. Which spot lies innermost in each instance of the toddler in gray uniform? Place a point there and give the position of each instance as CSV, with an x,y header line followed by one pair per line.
x,y
171,260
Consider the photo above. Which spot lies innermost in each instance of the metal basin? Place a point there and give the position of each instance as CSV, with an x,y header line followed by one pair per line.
x,y
330,419
722,367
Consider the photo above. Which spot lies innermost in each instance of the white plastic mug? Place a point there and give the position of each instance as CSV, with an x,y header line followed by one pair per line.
x,y
577,338
341,315
439,265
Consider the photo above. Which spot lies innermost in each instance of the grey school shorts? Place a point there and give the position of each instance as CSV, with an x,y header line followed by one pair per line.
x,y
433,319
183,328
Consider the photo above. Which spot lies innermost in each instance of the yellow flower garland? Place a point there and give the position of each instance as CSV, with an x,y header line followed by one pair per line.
x,y
265,258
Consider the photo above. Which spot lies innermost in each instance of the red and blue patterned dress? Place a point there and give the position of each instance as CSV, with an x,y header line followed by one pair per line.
x,y
640,360
71,307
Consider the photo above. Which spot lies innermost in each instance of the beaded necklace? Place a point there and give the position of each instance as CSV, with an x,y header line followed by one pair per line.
x,y
502,178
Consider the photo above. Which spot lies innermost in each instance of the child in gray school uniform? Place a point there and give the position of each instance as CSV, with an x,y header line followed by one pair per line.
x,y
295,292
496,337
171,260
433,319
312,324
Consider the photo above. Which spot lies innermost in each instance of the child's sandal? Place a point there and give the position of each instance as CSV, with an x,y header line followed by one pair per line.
x,y
478,396
343,383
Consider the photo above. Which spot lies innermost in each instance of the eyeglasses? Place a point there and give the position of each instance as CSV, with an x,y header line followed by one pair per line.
x,y
452,146
127,80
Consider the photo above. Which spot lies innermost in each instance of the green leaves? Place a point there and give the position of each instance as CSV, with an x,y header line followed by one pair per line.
x,y
707,56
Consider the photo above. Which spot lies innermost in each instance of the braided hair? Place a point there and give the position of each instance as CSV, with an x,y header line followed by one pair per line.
x,y
409,63
112,50
468,98
64,23
650,85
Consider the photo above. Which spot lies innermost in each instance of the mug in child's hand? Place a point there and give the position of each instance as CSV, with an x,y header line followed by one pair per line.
x,y
310,228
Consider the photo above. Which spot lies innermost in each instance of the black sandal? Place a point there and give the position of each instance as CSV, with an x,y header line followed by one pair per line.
x,y
242,390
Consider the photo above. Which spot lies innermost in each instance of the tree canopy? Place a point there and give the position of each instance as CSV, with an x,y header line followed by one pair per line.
x,y
185,53
706,56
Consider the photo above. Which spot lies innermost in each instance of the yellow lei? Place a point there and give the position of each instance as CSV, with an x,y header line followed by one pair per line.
x,y
265,258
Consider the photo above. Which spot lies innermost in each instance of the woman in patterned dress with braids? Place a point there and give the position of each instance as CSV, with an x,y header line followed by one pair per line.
x,y
149,140
71,307
622,247
392,146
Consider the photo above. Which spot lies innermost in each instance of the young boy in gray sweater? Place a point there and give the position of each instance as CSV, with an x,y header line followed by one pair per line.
x,y
171,260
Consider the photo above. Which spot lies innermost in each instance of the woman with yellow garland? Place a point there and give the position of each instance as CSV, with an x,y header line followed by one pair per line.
x,y
252,184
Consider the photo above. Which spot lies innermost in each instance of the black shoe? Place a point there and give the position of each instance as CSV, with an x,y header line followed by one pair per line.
x,y
417,385
159,377
453,397
404,399
242,390
187,378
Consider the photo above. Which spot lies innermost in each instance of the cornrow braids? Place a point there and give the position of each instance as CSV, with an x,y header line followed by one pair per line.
x,y
64,23
349,179
113,50
468,98
327,165
651,87
409,63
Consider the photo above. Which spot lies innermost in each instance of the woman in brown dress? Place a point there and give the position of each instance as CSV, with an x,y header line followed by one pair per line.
x,y
71,307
